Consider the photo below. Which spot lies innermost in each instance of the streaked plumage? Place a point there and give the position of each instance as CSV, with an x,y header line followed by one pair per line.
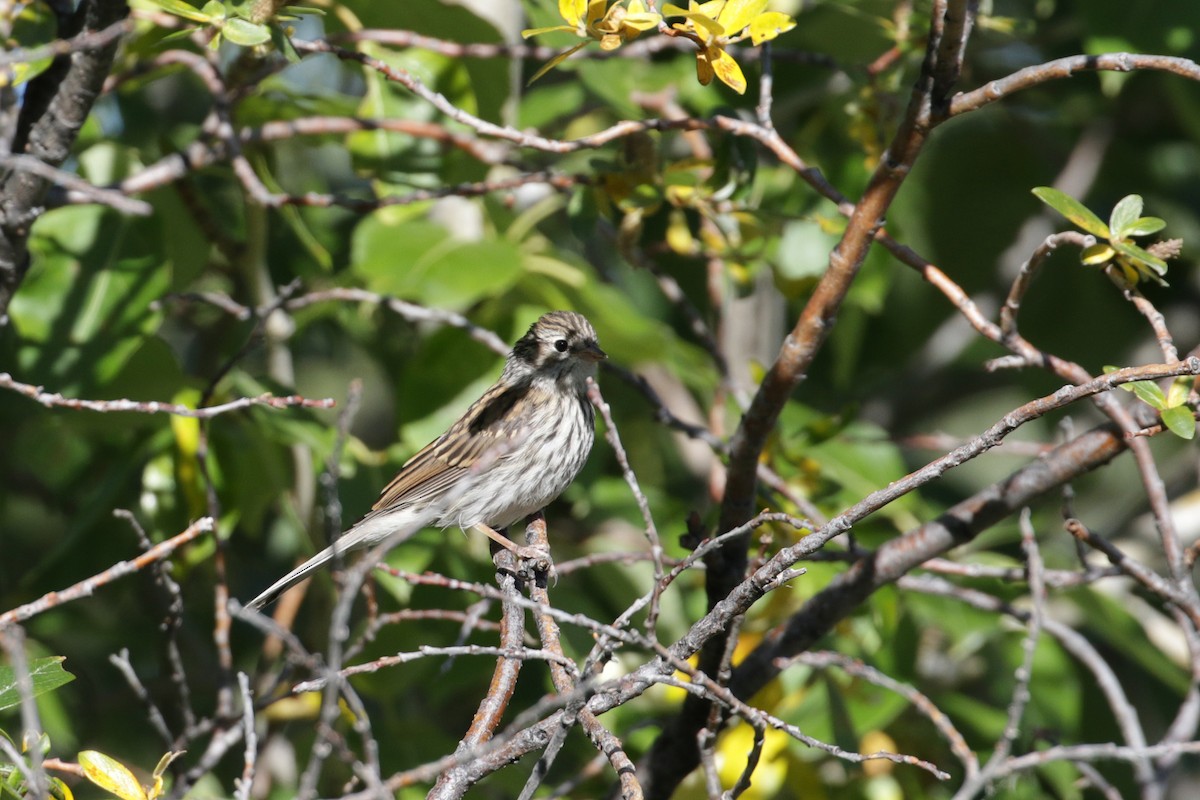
x,y
515,449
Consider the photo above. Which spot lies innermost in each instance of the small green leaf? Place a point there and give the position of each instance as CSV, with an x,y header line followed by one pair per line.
x,y
1130,250
182,9
1180,388
163,763
244,32
530,32
1179,421
284,45
1124,214
1072,209
554,62
45,675
214,9
1148,392
111,775
1146,226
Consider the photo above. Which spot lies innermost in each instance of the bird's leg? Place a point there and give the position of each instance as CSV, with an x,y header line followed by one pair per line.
x,y
539,555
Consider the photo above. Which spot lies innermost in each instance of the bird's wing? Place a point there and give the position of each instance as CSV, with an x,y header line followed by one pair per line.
x,y
489,423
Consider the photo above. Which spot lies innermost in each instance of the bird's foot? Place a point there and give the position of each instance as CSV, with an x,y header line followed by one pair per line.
x,y
534,558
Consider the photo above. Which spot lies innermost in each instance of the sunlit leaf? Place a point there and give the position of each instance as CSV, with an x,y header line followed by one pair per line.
x,y
572,11
727,69
528,32
737,14
639,17
709,24
244,32
1179,421
1124,214
1148,392
704,68
163,763
1145,226
111,775
182,9
1096,254
45,675
768,25
1181,387
1072,209
1131,250
554,62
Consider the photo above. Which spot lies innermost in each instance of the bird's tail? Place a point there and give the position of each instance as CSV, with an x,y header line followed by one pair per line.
x,y
386,527
298,574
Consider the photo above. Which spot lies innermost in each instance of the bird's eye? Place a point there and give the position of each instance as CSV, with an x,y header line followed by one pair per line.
x,y
560,345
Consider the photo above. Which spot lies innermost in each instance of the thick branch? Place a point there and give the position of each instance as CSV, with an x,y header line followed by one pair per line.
x,y
56,105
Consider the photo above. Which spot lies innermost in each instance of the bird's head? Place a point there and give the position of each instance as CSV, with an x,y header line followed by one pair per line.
x,y
560,345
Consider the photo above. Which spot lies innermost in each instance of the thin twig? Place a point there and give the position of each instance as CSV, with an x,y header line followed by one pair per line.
x,y
55,400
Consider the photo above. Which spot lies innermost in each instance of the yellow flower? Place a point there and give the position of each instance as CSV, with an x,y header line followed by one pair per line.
x,y
591,20
718,23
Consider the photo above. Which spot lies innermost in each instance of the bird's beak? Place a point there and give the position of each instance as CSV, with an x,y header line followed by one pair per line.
x,y
592,352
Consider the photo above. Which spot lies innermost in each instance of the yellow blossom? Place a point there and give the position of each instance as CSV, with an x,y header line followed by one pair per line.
x,y
590,20
715,24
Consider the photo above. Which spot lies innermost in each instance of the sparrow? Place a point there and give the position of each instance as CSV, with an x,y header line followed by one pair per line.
x,y
514,450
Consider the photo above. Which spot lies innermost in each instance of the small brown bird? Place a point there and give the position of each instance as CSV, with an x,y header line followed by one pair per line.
x,y
515,450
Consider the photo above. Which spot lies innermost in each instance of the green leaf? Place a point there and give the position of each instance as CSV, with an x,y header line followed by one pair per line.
x,y
1146,226
421,261
284,45
531,32
45,675
1072,209
1148,392
1124,214
164,762
88,301
111,775
1180,388
554,62
182,9
244,32
1131,250
1179,421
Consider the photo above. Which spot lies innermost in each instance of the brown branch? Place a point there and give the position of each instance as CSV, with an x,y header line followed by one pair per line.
x,y
727,567
77,187
960,524
1155,583
55,400
56,104
455,782
566,683
1065,68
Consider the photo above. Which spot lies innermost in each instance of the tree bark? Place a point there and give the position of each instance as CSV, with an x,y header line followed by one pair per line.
x,y
56,104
